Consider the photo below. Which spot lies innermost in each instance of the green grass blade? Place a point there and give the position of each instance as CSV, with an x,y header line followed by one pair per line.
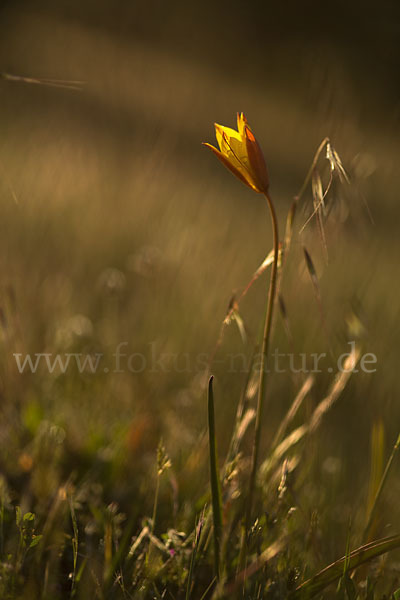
x,y
214,479
381,486
197,535
334,572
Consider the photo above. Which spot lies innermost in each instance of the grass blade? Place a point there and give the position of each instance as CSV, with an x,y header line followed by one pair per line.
x,y
319,206
196,541
60,83
336,388
214,479
268,554
333,572
381,486
317,291
297,402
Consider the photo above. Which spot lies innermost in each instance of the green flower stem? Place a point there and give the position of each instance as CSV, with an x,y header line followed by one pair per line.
x,y
264,360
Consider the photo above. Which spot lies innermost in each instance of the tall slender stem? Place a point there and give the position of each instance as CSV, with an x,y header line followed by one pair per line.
x,y
264,360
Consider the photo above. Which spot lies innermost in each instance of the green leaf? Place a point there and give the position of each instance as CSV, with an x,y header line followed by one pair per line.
x,y
35,541
28,517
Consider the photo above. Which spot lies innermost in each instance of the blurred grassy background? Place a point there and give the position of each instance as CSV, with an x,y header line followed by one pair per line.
x,y
127,229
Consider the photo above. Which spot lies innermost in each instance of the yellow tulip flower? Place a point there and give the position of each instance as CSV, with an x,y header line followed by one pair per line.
x,y
241,154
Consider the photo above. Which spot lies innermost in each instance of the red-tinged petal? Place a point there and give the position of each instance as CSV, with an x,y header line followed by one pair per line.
x,y
241,123
232,168
256,160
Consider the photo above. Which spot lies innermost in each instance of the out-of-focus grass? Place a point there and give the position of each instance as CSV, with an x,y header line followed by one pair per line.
x,y
124,230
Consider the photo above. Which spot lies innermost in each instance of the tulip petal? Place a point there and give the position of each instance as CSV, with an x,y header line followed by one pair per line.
x,y
240,153
256,160
241,122
221,132
234,148
240,174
